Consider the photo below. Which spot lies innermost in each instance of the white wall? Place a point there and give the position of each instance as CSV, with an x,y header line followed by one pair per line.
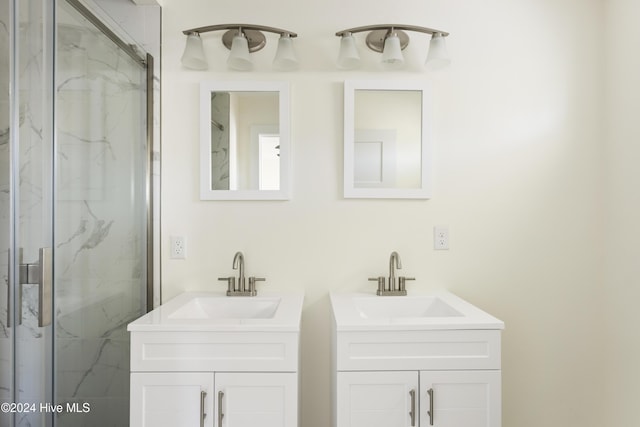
x,y
518,177
622,224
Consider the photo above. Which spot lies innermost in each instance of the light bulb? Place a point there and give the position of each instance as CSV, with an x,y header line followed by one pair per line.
x,y
348,58
239,58
437,57
392,52
285,59
193,56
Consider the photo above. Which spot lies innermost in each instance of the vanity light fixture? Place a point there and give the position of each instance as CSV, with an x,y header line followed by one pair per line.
x,y
390,40
241,40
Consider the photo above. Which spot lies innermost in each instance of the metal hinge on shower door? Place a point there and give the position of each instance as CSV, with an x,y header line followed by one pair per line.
x,y
41,274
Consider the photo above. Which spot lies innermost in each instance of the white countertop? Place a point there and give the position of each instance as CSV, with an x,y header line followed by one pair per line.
x,y
349,314
286,317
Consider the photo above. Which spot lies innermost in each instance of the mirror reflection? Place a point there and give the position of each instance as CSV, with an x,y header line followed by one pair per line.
x,y
387,138
245,140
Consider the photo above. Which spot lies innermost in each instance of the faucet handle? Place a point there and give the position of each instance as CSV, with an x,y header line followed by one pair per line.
x,y
401,282
380,280
252,284
231,283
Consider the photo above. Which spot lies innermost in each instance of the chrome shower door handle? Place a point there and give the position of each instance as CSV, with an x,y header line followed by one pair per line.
x,y
40,274
45,279
412,413
21,278
9,289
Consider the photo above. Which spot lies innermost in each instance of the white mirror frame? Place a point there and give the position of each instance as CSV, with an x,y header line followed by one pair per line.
x,y
350,190
206,87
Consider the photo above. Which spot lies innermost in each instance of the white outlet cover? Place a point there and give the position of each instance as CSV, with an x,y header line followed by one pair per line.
x,y
178,247
441,238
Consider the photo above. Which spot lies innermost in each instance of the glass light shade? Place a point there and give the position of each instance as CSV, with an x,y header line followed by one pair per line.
x,y
239,58
437,57
285,59
392,53
193,56
348,58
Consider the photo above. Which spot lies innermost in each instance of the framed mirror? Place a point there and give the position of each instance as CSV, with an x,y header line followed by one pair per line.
x,y
386,140
245,148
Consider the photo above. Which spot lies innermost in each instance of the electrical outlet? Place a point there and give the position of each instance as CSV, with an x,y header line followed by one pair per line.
x,y
441,238
178,247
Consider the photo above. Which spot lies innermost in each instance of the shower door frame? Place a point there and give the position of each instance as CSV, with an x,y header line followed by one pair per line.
x,y
15,274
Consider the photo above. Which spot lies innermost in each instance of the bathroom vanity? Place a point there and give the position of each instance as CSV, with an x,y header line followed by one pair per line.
x,y
417,360
206,359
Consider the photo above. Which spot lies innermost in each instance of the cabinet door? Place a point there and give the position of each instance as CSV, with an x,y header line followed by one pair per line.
x,y
171,399
256,399
377,399
460,398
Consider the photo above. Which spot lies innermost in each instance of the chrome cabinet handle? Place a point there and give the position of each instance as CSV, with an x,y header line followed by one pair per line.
x,y
203,415
220,413
412,413
430,411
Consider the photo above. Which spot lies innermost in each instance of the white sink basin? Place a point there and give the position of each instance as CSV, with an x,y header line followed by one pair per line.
x,y
403,307
231,308
201,311
439,310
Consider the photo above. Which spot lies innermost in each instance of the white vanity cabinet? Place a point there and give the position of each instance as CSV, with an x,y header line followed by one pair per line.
x,y
160,399
210,361
405,368
376,398
214,399
460,398
256,399
425,398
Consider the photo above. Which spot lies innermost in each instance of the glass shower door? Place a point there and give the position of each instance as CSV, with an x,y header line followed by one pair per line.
x,y
73,196
100,219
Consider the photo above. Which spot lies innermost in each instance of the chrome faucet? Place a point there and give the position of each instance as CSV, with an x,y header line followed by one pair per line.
x,y
238,260
392,272
392,289
241,289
